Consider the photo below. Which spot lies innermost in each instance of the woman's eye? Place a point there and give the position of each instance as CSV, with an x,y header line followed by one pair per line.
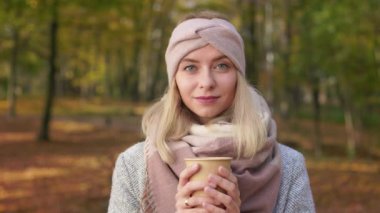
x,y
189,68
222,66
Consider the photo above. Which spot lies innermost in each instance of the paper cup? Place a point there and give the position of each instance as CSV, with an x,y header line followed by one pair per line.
x,y
208,165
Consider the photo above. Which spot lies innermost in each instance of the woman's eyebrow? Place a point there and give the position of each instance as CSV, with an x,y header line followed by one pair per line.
x,y
195,61
189,60
220,57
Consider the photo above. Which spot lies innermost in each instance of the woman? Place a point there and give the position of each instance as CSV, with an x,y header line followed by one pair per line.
x,y
209,110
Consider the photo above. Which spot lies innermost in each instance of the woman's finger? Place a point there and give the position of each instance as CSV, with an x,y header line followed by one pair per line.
x,y
227,174
212,208
187,173
227,185
218,196
190,187
196,202
223,188
226,202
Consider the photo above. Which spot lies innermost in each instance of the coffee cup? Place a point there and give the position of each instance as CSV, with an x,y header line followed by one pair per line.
x,y
208,165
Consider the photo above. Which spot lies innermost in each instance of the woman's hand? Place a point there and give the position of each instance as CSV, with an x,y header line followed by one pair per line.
x,y
185,188
230,200
216,200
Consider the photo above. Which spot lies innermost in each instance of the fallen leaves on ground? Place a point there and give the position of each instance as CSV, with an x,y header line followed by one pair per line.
x,y
73,172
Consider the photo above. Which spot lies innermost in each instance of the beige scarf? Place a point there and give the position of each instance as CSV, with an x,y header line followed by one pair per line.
x,y
258,177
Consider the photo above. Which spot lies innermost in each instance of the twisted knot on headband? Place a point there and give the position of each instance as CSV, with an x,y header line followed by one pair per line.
x,y
196,33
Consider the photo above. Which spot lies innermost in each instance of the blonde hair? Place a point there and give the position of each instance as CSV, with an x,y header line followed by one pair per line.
x,y
169,120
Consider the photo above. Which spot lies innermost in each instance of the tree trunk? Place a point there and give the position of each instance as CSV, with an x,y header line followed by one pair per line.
x,y
122,74
12,85
146,55
134,71
51,81
248,19
108,76
348,121
317,120
287,104
350,131
160,24
139,28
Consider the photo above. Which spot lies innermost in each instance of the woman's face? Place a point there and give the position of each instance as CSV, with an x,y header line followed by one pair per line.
x,y
206,80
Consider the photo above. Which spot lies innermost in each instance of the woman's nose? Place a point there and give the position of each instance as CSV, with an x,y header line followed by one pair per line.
x,y
207,79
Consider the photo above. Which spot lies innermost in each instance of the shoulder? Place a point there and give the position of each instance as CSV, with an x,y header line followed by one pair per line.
x,y
128,180
131,159
295,193
130,168
136,151
292,162
289,155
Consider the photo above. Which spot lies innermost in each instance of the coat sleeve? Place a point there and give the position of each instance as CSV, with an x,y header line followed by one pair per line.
x,y
300,198
126,182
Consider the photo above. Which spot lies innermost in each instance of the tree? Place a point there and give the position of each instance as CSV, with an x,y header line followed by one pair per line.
x,y
249,34
50,89
335,42
15,19
12,85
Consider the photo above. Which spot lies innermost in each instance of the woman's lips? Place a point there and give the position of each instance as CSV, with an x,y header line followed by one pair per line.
x,y
207,99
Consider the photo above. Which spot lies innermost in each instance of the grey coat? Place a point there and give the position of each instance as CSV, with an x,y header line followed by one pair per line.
x,y
129,177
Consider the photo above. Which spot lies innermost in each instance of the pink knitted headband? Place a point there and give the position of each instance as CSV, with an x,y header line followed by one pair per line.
x,y
195,33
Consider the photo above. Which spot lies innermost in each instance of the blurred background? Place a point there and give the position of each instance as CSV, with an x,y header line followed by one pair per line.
x,y
76,76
